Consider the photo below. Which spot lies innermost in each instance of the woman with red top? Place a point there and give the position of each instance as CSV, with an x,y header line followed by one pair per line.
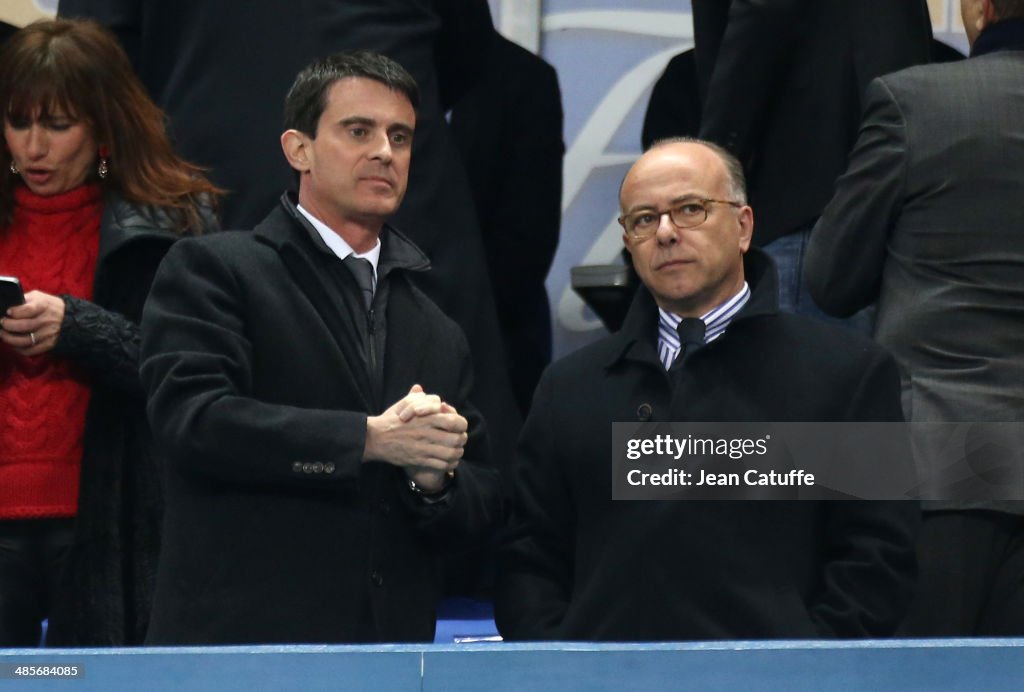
x,y
91,197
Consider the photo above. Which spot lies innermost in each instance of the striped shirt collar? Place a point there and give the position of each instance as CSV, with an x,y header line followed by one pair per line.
x,y
715,322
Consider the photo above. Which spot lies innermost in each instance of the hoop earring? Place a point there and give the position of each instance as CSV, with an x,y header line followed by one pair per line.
x,y
102,170
14,168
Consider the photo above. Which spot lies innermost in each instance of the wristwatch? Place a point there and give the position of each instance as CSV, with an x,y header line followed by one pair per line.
x,y
432,495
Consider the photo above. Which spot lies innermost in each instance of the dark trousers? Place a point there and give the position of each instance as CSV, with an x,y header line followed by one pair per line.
x,y
971,576
32,553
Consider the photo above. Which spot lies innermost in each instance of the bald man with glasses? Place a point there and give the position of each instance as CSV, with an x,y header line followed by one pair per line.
x,y
703,341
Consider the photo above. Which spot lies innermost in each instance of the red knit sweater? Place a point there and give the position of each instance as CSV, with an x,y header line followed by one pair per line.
x,y
51,245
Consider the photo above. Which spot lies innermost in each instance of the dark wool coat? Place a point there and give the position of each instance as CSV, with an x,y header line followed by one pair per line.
x,y
107,585
581,566
275,531
224,101
781,85
509,131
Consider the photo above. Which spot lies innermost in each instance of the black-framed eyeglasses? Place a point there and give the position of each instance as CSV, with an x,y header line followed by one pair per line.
x,y
688,213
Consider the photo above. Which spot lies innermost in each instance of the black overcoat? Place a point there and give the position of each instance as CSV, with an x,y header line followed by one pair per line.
x,y
782,84
221,71
275,531
581,566
107,583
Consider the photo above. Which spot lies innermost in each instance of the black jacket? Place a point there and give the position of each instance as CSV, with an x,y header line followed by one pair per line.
x,y
781,83
509,131
581,566
275,531
224,103
107,585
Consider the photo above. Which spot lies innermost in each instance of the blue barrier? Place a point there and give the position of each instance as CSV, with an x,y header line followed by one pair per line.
x,y
944,664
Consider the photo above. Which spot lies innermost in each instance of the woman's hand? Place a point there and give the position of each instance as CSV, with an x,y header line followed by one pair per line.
x,y
33,327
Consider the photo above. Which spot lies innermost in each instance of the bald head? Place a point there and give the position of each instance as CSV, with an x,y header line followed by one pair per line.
x,y
690,257
734,169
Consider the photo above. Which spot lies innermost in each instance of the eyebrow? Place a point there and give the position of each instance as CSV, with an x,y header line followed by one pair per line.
x,y
673,202
358,120
370,122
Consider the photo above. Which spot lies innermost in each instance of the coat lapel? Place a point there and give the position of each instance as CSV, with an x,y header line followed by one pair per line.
x,y
300,259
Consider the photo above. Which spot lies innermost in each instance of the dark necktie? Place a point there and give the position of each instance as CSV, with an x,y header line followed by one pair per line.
x,y
362,270
691,337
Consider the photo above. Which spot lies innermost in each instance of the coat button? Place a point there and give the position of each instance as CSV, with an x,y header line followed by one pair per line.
x,y
644,412
377,578
329,467
307,467
385,508
296,467
318,467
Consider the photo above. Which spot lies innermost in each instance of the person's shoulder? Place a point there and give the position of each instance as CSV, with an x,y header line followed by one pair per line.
x,y
131,217
834,344
517,59
811,330
234,248
122,215
922,80
229,240
587,361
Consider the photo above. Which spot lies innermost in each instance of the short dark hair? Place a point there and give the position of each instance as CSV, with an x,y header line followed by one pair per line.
x,y
1009,9
733,167
307,98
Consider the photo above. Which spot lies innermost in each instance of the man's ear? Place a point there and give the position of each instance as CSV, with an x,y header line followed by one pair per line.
x,y
746,221
296,149
988,14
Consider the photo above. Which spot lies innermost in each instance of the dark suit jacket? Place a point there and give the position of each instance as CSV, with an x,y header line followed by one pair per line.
x,y
509,131
927,221
221,71
675,104
579,565
674,107
782,83
274,531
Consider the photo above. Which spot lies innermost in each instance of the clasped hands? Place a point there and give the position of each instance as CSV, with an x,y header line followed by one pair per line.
x,y
32,328
420,433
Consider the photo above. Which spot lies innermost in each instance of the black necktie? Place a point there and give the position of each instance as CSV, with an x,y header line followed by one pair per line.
x,y
691,337
363,271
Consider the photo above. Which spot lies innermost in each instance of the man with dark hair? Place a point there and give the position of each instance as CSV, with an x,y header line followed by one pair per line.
x,y
221,96
309,401
308,96
703,341
927,221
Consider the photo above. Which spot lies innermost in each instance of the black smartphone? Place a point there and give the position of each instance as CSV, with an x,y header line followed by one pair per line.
x,y
10,293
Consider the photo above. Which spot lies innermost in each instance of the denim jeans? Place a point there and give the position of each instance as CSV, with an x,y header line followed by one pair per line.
x,y
788,253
